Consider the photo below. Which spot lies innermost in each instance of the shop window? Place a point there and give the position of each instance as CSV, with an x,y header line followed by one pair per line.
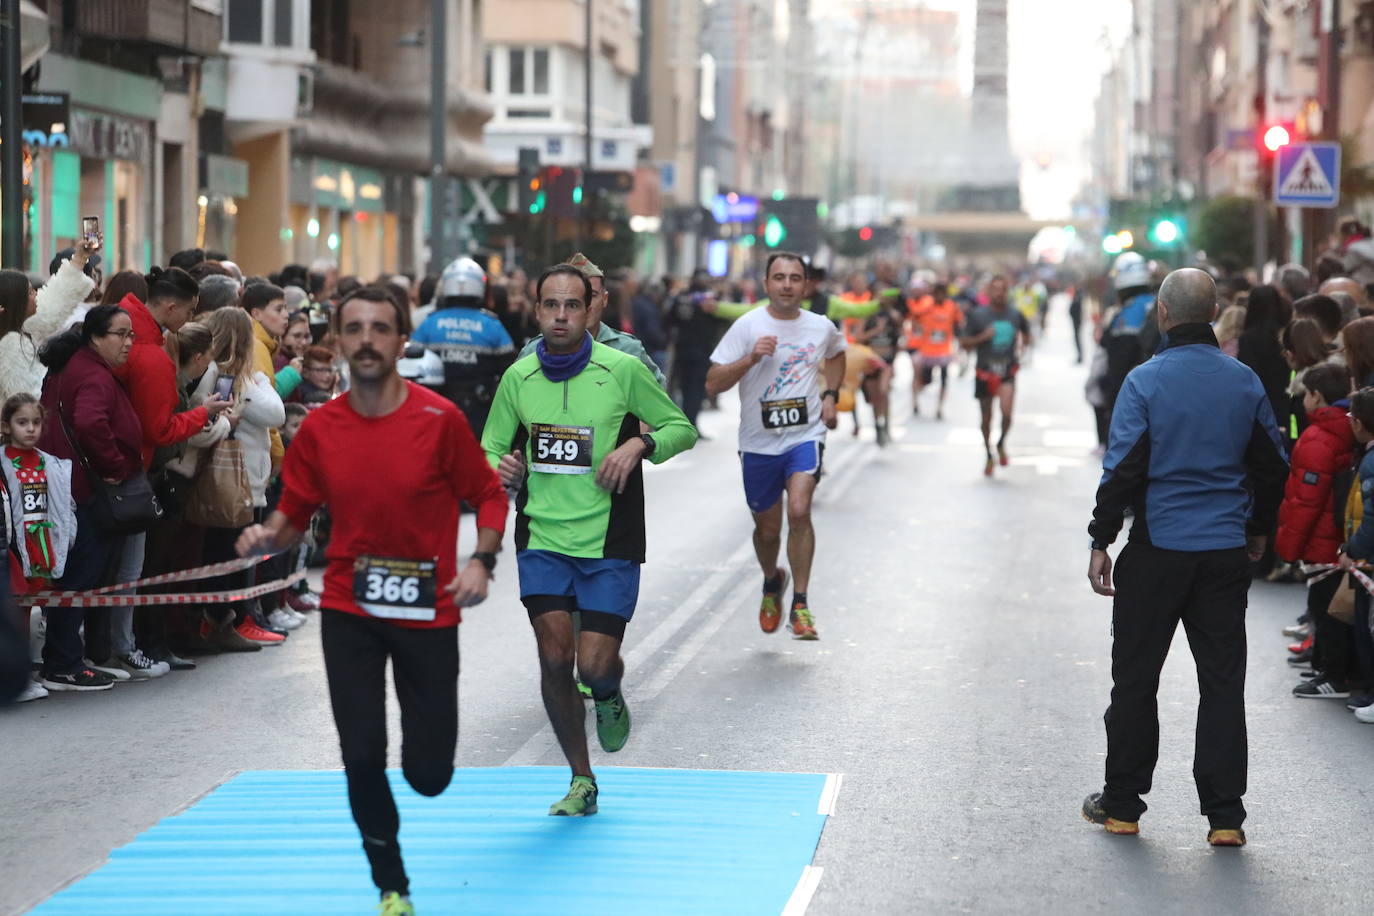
x,y
66,195
245,21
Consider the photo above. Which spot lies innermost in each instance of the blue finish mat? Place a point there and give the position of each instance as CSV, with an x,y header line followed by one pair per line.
x,y
664,842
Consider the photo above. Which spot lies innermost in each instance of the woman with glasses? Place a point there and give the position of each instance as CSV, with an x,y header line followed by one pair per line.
x,y
88,409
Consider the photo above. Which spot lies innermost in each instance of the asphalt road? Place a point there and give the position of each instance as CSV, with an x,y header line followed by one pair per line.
x,y
958,687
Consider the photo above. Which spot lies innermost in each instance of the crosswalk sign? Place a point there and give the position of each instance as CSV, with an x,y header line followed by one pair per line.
x,y
1308,175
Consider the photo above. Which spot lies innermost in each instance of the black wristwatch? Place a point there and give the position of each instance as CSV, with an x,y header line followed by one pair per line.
x,y
1099,545
830,393
649,445
486,558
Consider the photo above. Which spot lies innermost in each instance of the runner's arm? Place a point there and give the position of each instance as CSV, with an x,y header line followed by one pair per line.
x,y
473,479
272,536
730,311
732,358
840,308
502,421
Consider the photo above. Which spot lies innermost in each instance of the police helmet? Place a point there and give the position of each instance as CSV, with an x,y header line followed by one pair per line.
x,y
1130,270
462,277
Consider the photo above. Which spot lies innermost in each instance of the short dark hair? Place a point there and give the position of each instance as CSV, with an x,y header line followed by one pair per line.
x,y
568,270
187,258
259,295
1328,380
786,256
1362,407
374,294
296,410
1322,309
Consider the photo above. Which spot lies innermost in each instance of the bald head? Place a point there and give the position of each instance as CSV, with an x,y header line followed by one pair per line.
x,y
1187,296
1351,288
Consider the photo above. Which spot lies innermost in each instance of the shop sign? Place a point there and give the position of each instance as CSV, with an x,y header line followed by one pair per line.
x,y
45,119
104,136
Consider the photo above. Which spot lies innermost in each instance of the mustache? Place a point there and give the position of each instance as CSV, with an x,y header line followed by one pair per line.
x,y
364,354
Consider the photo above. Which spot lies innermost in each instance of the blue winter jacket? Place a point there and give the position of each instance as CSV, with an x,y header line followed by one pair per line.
x,y
1194,450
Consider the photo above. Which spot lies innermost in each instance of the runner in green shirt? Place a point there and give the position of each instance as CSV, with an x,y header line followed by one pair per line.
x,y
565,429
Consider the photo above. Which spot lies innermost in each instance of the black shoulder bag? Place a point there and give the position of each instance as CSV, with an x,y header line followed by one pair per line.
x,y
128,507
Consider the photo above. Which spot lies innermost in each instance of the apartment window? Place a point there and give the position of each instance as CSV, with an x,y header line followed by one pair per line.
x,y
516,63
486,80
541,71
282,22
245,21
527,71
541,113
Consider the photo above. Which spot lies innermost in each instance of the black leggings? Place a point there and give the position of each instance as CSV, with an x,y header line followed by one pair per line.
x,y
424,668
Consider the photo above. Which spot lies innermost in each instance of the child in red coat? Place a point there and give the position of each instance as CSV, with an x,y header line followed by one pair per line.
x,y
1308,528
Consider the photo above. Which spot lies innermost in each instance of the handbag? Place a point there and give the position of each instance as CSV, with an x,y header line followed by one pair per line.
x,y
220,496
127,507
1342,606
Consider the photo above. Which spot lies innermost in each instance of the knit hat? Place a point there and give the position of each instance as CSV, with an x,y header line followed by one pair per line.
x,y
587,268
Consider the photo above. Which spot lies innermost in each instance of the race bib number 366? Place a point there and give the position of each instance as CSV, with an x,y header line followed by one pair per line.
x,y
784,413
560,449
395,588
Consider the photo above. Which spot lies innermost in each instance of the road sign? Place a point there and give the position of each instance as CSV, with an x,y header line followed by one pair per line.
x,y
1308,175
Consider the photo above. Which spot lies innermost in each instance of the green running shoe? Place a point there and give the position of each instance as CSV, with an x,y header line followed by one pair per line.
x,y
803,623
613,722
580,800
393,904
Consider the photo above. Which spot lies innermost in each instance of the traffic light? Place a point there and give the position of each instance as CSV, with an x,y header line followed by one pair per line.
x,y
791,223
1166,231
774,232
529,182
866,234
1272,136
1276,137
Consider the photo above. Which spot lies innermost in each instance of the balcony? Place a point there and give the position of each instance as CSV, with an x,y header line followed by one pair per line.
x,y
175,26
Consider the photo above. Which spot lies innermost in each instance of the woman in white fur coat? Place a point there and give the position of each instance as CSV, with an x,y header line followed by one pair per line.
x,y
30,318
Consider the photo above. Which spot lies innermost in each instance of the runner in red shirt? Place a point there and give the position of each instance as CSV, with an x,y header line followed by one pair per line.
x,y
392,461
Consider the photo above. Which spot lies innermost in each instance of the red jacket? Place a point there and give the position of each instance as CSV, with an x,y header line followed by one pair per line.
x,y
101,418
1307,519
151,379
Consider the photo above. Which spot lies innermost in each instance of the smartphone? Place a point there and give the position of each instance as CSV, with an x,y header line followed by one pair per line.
x,y
224,387
90,230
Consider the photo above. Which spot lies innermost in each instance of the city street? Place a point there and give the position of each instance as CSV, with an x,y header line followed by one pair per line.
x,y
958,686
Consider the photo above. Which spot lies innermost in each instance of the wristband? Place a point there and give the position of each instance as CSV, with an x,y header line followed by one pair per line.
x,y
830,393
1098,545
486,558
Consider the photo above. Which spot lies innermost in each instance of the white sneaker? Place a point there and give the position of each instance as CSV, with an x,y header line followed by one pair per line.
x,y
303,618
1365,714
109,669
34,691
284,620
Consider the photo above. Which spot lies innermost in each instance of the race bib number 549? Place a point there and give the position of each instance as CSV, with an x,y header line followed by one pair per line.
x,y
560,449
395,588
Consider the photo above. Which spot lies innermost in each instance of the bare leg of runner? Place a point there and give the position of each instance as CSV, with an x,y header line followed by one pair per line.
x,y
599,663
768,539
567,712
801,537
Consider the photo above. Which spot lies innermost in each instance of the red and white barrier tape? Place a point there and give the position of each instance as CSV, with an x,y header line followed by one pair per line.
x,y
105,597
1316,572
90,599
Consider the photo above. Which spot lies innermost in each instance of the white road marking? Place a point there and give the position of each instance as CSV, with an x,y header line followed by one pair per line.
x,y
830,795
806,889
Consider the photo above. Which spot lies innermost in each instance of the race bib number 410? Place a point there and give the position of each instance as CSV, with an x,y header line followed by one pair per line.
x,y
395,588
560,449
784,413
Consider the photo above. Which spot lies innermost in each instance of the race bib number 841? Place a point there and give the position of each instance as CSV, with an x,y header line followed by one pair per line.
x,y
395,588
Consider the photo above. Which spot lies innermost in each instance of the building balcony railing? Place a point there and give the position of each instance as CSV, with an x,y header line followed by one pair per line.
x,y
171,25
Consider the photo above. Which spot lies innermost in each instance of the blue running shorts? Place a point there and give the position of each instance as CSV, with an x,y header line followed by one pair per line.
x,y
608,586
766,476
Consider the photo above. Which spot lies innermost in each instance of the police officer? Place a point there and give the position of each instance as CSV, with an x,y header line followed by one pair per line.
x,y
1204,503
473,345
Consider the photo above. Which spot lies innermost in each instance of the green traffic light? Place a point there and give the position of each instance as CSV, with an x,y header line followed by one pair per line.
x,y
774,232
577,194
539,201
1166,232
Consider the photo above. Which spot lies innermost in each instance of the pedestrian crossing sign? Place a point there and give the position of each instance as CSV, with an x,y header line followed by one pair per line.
x,y
1308,175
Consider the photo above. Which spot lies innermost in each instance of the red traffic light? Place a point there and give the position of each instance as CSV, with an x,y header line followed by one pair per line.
x,y
866,234
1276,137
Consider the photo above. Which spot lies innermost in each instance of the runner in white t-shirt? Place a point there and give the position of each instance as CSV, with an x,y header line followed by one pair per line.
x,y
777,354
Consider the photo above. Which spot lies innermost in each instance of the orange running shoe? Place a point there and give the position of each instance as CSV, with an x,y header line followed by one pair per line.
x,y
770,608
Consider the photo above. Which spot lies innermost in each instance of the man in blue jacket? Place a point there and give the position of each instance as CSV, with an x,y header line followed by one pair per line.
x,y
1194,451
